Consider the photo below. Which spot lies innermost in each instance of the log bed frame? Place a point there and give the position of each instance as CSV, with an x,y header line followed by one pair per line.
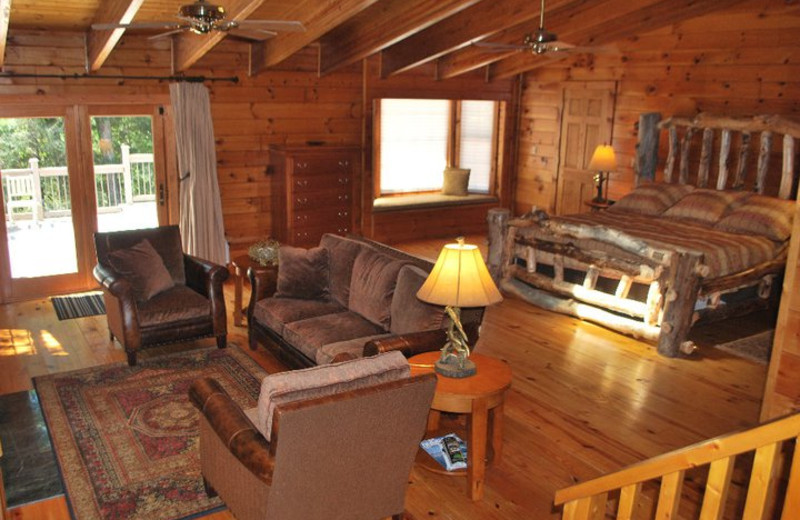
x,y
677,291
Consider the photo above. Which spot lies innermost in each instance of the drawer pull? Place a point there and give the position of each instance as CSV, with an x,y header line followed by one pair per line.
x,y
302,165
344,163
302,183
302,200
344,197
344,180
301,217
343,213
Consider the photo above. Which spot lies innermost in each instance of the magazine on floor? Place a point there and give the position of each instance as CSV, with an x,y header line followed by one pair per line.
x,y
448,450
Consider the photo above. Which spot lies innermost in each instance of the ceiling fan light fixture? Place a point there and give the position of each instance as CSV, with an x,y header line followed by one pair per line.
x,y
203,12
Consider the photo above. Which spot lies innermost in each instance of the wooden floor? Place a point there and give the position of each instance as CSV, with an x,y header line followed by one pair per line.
x,y
584,400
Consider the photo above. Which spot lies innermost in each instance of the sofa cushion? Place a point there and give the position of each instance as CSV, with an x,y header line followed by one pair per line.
x,y
276,312
652,199
142,266
302,273
706,206
325,380
309,335
409,313
342,253
761,215
179,303
355,347
372,286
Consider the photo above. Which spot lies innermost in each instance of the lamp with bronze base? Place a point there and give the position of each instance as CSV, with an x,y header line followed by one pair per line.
x,y
458,279
603,161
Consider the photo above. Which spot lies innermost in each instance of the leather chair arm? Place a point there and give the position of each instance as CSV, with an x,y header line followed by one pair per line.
x,y
233,427
113,282
263,284
203,276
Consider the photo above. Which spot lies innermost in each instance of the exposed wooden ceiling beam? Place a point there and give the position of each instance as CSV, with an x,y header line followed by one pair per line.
x,y
319,17
655,16
5,16
458,31
380,26
99,44
189,47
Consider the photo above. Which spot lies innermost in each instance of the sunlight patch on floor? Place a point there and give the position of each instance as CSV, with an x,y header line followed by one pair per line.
x,y
53,346
16,342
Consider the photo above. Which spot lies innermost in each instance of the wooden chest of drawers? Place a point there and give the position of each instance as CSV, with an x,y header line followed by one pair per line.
x,y
313,192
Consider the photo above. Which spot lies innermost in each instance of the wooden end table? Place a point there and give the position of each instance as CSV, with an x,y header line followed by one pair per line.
x,y
240,266
481,398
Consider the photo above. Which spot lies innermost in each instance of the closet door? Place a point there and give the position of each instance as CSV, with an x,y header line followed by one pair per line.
x,y
586,121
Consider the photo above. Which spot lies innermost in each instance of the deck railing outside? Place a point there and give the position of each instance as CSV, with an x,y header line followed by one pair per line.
x,y
39,193
588,500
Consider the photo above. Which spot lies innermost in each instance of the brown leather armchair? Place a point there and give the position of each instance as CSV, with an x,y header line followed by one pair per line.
x,y
346,455
192,307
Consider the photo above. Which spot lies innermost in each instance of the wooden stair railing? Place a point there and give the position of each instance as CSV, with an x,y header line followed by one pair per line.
x,y
587,500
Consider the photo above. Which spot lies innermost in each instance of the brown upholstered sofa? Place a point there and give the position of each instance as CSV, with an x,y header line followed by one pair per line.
x,y
332,441
346,298
155,293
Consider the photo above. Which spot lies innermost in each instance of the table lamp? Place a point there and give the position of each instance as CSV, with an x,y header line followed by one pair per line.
x,y
603,161
458,279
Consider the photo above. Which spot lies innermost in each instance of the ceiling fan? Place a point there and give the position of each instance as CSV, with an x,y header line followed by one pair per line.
x,y
540,42
202,17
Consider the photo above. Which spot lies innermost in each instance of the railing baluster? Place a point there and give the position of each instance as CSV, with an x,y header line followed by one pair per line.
x,y
670,495
760,482
719,479
791,506
627,501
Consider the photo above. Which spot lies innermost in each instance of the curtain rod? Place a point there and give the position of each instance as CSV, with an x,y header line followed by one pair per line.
x,y
188,79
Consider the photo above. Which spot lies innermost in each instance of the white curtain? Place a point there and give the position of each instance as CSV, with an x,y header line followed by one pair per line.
x,y
202,228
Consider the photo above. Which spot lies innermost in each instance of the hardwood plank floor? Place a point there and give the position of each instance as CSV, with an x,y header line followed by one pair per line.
x,y
584,400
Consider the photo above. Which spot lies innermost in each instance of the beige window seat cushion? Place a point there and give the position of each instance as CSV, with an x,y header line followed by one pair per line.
x,y
428,200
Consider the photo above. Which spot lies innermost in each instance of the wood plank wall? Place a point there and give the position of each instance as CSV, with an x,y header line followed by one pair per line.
x,y
741,61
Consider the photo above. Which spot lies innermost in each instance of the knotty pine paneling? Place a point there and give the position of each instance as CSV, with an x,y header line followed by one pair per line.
x,y
286,105
741,61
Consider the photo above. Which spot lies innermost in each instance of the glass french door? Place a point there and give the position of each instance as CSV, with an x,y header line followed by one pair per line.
x,y
67,172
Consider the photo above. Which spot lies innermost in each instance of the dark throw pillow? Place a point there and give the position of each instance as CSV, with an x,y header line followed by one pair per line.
x,y
143,267
303,273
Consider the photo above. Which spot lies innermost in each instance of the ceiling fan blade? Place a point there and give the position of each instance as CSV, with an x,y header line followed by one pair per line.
x,y
134,25
252,35
168,33
499,47
272,25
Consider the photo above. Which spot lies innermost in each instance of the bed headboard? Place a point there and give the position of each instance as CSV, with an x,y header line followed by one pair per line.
x,y
735,138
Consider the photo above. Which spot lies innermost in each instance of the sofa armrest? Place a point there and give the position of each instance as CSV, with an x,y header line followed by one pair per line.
x,y
263,284
233,427
409,344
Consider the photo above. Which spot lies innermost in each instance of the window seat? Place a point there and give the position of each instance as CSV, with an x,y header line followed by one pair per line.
x,y
428,200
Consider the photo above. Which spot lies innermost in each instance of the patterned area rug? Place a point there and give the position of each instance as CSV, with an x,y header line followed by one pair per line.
x,y
78,305
126,437
755,348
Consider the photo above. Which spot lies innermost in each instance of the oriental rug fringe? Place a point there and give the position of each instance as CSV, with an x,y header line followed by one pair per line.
x,y
126,438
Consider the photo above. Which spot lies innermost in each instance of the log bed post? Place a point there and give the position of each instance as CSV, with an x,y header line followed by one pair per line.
x,y
498,228
647,147
679,305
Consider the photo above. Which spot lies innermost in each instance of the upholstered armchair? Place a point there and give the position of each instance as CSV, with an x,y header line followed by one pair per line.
x,y
154,293
331,441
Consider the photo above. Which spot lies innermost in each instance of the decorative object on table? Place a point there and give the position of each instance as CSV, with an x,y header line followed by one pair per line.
x,y
265,252
78,305
449,450
603,162
459,279
126,438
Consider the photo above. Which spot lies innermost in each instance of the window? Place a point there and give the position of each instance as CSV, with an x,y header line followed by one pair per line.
x,y
420,137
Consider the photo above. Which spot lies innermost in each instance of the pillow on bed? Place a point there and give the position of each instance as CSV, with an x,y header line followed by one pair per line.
x,y
651,199
761,215
706,206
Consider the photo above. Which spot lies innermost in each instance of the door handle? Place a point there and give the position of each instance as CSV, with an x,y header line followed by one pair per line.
x,y
161,194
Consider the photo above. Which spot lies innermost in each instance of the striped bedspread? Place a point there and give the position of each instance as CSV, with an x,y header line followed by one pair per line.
x,y
724,253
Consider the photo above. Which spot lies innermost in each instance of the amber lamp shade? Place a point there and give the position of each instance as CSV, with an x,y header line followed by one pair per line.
x,y
603,161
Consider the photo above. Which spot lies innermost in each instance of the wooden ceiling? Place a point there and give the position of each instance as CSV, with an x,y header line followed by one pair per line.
x,y
406,33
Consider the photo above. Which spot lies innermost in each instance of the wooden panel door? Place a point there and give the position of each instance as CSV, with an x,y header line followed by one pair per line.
x,y
586,121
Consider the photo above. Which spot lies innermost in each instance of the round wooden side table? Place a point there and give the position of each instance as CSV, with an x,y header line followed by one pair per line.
x,y
240,266
481,398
